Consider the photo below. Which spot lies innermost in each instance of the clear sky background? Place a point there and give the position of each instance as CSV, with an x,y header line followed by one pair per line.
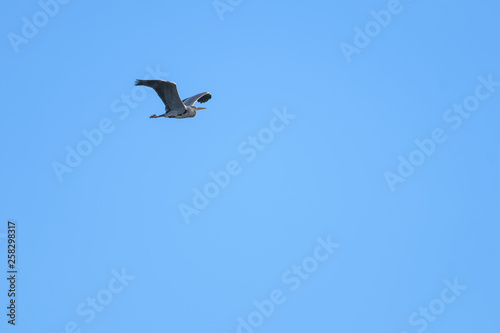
x,y
412,254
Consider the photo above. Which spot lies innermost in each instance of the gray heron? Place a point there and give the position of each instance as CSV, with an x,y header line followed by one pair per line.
x,y
174,106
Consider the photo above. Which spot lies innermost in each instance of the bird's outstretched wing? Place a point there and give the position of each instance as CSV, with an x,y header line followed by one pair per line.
x,y
167,91
201,97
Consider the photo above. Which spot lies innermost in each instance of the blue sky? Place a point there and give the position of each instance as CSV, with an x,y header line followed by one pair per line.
x,y
321,189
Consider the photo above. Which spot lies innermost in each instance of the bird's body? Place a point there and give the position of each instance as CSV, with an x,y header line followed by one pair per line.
x,y
174,106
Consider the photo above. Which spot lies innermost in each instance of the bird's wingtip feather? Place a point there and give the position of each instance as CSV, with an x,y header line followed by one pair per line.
x,y
205,97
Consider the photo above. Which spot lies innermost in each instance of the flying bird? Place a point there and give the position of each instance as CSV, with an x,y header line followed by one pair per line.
x,y
174,106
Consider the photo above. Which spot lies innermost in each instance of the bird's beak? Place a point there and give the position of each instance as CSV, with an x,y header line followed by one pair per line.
x,y
200,108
